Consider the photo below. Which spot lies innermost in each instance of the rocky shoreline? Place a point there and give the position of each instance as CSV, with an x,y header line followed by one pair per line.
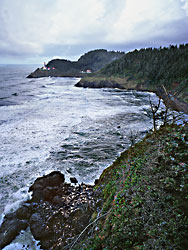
x,y
38,73
56,214
170,100
99,84
59,212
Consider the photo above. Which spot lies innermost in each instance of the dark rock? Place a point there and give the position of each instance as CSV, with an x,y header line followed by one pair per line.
x,y
10,228
37,195
80,219
23,213
73,180
46,244
38,227
57,199
96,181
56,213
53,179
69,171
48,193
98,84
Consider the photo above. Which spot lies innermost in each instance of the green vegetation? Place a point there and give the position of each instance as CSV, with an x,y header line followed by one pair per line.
x,y
97,59
93,60
150,69
145,196
154,67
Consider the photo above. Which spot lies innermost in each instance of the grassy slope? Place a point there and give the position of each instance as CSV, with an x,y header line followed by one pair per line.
x,y
145,196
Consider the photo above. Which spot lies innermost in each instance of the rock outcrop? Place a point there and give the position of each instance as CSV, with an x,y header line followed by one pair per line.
x,y
98,84
56,214
53,73
169,99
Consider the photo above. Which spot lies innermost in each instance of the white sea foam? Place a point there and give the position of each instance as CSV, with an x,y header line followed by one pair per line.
x,y
60,127
1,218
24,241
16,199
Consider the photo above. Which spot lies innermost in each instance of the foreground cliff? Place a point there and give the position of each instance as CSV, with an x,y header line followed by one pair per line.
x,y
140,202
145,196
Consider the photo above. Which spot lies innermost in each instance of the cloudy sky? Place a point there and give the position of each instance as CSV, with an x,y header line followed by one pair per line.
x,y
39,30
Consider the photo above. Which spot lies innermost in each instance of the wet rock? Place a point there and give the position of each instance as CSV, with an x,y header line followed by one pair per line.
x,y
73,180
57,199
53,179
57,212
23,213
42,187
38,227
46,244
98,84
10,228
48,193
69,171
96,181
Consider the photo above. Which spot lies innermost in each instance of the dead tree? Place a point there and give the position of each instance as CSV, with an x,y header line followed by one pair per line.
x,y
154,110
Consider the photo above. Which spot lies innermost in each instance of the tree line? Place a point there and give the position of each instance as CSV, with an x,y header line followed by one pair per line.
x,y
167,66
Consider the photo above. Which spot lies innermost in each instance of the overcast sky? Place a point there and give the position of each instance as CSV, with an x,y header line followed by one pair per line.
x,y
33,31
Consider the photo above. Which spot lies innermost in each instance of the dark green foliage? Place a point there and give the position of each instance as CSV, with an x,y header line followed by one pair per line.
x,y
61,64
93,60
146,196
168,66
97,59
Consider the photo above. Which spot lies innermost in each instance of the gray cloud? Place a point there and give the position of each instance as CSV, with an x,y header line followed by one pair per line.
x,y
40,30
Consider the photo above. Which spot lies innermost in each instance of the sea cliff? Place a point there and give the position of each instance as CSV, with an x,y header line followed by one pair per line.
x,y
139,202
144,196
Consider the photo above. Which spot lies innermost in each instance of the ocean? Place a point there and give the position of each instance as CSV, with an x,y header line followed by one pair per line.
x,y
48,124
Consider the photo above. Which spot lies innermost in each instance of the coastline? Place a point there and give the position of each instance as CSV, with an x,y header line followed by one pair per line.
x,y
39,210
170,100
150,171
38,73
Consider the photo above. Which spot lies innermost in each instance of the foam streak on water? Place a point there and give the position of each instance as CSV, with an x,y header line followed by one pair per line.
x,y
48,124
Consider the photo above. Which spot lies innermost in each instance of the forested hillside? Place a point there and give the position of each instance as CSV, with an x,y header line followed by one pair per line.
x,y
93,60
97,59
90,61
155,67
